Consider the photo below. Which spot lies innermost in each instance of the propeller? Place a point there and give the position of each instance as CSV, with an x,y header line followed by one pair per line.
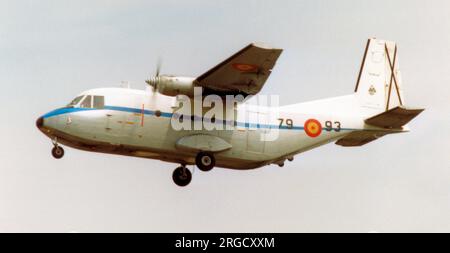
x,y
153,81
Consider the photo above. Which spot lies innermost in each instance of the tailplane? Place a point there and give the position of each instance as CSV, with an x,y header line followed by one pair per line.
x,y
388,122
394,118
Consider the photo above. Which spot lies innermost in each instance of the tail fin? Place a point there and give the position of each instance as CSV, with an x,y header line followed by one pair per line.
x,y
379,90
379,81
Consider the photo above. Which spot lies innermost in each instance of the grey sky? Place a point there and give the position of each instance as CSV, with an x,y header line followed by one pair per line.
x,y
52,50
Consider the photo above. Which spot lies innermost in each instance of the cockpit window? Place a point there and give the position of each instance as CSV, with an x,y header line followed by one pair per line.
x,y
99,102
75,101
87,102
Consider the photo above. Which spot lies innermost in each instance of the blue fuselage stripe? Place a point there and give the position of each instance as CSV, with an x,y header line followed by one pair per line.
x,y
67,110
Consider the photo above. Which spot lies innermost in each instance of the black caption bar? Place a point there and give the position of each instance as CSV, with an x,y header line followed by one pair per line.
x,y
213,242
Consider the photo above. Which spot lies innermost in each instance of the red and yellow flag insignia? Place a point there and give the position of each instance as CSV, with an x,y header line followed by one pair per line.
x,y
245,67
313,128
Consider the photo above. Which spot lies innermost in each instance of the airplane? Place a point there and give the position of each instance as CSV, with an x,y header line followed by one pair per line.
x,y
138,123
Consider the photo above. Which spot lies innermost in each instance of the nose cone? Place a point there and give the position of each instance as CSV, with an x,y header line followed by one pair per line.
x,y
40,122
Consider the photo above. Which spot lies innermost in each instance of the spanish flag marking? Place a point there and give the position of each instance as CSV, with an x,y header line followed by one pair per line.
x,y
313,128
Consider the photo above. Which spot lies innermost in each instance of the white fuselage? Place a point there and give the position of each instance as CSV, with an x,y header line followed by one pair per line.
x,y
138,123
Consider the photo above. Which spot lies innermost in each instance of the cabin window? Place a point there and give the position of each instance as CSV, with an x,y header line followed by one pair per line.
x,y
75,101
99,102
87,102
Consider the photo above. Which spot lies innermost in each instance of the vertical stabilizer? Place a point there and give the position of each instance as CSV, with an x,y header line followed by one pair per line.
x,y
379,81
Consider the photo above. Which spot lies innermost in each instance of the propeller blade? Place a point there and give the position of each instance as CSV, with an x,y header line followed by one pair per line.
x,y
158,66
153,81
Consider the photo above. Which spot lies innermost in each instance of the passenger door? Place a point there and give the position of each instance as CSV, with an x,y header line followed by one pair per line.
x,y
257,123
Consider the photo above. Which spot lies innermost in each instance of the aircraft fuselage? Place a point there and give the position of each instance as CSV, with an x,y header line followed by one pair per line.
x,y
138,123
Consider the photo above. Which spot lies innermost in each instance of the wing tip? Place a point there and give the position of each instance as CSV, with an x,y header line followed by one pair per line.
x,y
263,45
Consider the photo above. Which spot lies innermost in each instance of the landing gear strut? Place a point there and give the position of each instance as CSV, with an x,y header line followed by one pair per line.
x,y
205,161
181,176
57,151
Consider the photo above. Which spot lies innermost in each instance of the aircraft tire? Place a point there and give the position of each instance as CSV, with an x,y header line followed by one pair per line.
x,y
181,176
205,161
57,152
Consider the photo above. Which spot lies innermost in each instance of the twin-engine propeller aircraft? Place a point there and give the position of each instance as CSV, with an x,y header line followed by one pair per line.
x,y
141,122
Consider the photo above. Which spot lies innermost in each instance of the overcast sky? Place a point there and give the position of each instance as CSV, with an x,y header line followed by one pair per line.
x,y
52,50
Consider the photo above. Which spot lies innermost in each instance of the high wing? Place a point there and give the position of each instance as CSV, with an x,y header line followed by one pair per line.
x,y
243,73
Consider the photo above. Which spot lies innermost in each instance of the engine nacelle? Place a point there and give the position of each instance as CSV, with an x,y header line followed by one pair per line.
x,y
173,85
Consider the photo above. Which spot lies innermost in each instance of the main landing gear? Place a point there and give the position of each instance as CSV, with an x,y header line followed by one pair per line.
x,y
182,176
205,161
57,151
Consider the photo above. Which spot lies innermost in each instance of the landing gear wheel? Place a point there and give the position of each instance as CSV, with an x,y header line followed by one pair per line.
x,y
181,176
58,152
205,161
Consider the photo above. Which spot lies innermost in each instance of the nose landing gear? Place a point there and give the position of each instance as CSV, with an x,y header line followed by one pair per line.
x,y
57,151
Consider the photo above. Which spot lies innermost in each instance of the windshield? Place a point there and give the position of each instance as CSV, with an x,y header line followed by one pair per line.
x,y
75,101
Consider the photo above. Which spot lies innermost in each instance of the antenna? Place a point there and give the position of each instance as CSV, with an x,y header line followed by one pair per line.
x,y
125,84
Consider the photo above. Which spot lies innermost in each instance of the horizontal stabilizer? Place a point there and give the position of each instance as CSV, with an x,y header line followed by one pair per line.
x,y
394,118
360,138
